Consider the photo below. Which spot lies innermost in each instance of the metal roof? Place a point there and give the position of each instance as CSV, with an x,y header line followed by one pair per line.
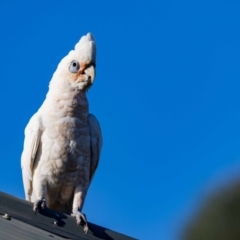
x,y
24,224
16,230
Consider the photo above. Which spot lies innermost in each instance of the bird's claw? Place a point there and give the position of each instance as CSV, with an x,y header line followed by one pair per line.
x,y
39,205
81,219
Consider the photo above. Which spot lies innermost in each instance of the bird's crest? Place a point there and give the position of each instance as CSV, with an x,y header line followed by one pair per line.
x,y
86,49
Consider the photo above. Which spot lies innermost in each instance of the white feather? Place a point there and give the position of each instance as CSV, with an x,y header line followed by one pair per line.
x,y
62,140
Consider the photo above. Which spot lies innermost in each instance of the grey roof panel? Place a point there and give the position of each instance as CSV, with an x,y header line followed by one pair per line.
x,y
14,229
21,210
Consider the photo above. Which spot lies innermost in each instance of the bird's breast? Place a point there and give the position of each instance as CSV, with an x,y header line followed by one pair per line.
x,y
65,149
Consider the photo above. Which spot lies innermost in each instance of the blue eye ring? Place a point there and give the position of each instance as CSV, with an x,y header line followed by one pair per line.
x,y
74,66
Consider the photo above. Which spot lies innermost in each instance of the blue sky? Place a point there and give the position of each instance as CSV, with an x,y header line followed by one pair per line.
x,y
166,95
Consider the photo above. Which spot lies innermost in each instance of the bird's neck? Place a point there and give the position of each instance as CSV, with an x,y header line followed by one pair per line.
x,y
67,102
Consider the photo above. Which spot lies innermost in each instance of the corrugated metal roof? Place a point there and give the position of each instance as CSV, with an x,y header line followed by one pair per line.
x,y
24,224
15,230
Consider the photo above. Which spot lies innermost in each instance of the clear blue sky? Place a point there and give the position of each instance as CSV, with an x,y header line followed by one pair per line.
x,y
166,95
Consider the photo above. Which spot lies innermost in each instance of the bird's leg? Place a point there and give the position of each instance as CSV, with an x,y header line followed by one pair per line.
x,y
81,219
78,200
40,191
39,205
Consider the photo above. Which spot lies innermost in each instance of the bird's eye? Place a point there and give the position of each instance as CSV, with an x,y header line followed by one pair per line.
x,y
74,66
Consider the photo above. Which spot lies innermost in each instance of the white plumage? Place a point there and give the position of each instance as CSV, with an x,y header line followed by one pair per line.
x,y
62,140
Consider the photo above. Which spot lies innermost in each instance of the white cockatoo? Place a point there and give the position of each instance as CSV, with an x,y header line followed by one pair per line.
x,y
62,140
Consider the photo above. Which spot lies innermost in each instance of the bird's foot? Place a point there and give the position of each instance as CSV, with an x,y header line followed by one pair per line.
x,y
81,219
39,205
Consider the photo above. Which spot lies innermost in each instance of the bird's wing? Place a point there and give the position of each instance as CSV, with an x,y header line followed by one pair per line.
x,y
31,143
96,143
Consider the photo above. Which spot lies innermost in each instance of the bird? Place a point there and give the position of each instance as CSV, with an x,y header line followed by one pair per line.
x,y
63,141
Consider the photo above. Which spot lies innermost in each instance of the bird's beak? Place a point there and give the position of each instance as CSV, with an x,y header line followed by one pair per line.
x,y
90,71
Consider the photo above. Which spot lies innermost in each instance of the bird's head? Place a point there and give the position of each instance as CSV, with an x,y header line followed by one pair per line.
x,y
77,69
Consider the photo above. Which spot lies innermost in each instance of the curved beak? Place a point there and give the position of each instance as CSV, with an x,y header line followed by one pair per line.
x,y
90,71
